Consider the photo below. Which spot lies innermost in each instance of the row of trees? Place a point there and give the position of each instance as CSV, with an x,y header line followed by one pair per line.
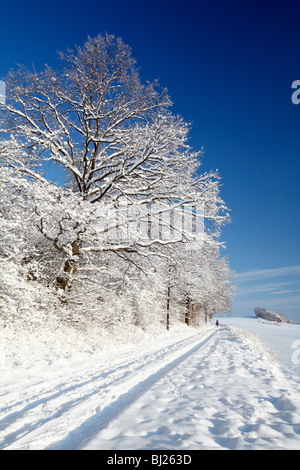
x,y
76,250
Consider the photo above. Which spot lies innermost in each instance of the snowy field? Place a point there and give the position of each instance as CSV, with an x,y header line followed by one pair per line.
x,y
235,386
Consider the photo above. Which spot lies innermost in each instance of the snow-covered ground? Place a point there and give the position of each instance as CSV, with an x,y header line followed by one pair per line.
x,y
235,386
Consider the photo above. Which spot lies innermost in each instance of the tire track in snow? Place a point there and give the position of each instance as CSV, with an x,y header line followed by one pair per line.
x,y
37,422
226,395
98,422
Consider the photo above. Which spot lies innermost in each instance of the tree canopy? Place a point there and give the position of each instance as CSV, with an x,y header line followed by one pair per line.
x,y
128,165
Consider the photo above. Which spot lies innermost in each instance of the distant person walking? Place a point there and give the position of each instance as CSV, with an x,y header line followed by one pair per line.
x,y
217,322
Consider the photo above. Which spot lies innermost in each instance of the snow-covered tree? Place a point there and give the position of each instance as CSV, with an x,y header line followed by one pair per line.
x,y
95,120
127,164
27,260
199,283
113,136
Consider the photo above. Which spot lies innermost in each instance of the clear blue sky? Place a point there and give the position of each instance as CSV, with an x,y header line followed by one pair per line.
x,y
228,66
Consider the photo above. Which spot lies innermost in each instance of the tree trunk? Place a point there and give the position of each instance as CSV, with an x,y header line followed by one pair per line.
x,y
187,319
168,307
65,278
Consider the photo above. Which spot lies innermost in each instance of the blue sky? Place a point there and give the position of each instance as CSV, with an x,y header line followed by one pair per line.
x,y
229,68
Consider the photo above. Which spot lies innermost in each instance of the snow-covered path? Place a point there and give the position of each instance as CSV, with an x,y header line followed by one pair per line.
x,y
223,396
62,405
211,390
